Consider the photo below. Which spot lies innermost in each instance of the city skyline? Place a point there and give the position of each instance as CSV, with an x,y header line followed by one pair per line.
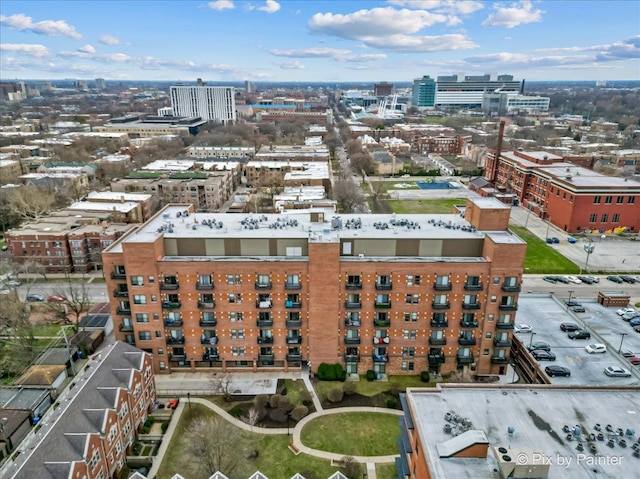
x,y
269,40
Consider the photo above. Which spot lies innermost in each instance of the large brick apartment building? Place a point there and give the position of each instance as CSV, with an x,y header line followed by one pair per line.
x,y
392,293
571,197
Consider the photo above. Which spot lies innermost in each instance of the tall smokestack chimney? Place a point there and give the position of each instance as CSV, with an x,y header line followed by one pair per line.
x,y
492,166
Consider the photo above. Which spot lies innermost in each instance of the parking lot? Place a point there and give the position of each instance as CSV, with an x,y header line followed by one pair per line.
x,y
545,313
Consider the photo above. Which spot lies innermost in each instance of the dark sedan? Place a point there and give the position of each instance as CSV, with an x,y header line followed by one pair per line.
x,y
542,355
553,371
569,327
615,279
539,345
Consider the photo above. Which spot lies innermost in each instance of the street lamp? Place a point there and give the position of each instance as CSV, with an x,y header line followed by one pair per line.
x,y
288,417
569,300
588,248
621,340
533,333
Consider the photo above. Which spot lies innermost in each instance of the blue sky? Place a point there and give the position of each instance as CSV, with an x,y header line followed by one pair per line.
x,y
305,40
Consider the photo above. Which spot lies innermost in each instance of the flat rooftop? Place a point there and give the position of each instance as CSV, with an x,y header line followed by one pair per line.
x,y
115,196
537,415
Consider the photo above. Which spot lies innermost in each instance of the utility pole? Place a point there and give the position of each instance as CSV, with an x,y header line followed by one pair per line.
x,y
68,346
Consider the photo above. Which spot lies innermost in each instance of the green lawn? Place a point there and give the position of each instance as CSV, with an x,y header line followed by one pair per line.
x,y
274,459
361,434
371,388
439,206
386,471
384,186
541,258
46,329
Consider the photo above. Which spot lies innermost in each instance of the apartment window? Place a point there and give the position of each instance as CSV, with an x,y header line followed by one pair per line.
x,y
160,352
570,198
76,244
408,365
235,316
632,200
95,459
204,280
410,280
144,335
142,318
151,279
619,200
411,316
616,218
235,298
264,280
608,200
237,350
293,280
504,319
593,218
139,299
442,282
412,298
604,218
596,200
237,334
234,279
440,299
409,334
137,280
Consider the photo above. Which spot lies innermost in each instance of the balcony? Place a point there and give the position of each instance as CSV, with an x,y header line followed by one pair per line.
x,y
266,358
210,357
381,323
204,286
294,339
178,357
291,323
353,305
502,343
353,286
384,286
475,305
123,311
504,325
264,322
120,294
211,340
293,304
465,359
511,288
382,305
439,324
351,340
499,360
206,304
437,341
508,307
435,305
171,304
263,286
468,324
292,286
169,286
208,322
126,328
175,340
352,358
265,304
435,359
467,341
442,287
351,324
294,357
380,358
173,323
265,340
115,275
473,286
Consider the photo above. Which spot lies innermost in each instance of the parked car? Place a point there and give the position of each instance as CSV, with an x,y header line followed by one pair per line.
x,y
595,279
622,311
636,329
553,240
35,297
578,309
550,279
630,316
523,328
596,348
563,279
543,355
172,403
626,353
628,279
573,279
539,345
13,283
553,371
615,279
56,298
572,240
579,334
635,360
569,327
634,322
572,302
586,279
616,372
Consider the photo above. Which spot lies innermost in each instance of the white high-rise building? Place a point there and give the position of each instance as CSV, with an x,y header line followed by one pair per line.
x,y
211,103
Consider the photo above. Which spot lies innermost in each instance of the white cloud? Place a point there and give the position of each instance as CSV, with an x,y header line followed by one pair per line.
x,y
22,22
109,40
270,6
366,57
415,44
517,14
221,5
314,52
87,49
33,50
291,65
463,7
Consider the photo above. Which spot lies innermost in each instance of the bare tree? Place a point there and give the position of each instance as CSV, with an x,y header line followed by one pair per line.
x,y
17,349
213,446
348,195
74,301
30,202
222,384
254,415
363,164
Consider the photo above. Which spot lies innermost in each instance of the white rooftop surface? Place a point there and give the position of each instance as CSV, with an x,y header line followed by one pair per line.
x,y
40,176
97,134
587,178
322,171
4,163
115,196
219,165
114,158
125,207
538,417
276,165
170,165
426,227
222,148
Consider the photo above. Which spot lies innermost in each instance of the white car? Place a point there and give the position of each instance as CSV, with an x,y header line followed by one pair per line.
x,y
523,328
622,311
617,372
573,279
596,348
